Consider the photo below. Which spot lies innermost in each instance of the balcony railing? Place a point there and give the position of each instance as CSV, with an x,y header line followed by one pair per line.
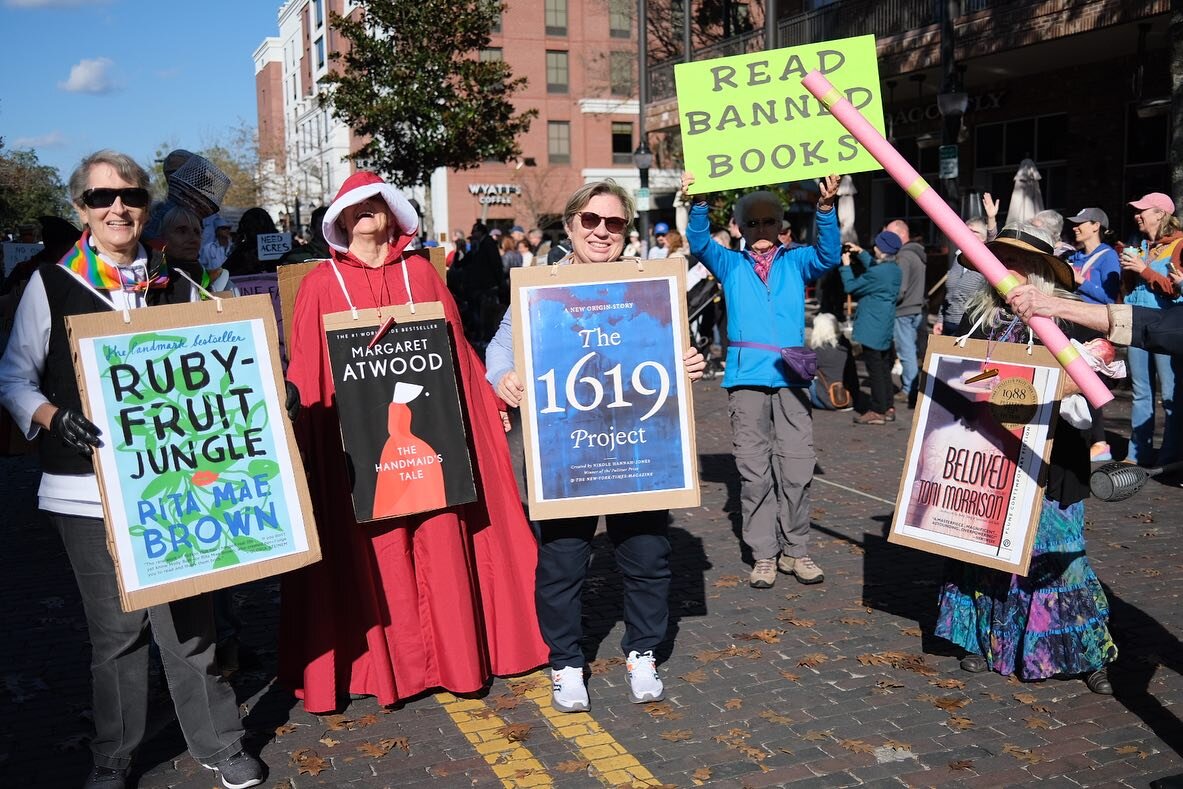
x,y
887,18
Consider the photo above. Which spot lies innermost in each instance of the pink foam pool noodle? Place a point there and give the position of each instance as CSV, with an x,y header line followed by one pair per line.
x,y
951,225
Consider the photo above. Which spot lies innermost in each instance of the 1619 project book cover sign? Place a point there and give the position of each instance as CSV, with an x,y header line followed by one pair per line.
x,y
609,411
401,422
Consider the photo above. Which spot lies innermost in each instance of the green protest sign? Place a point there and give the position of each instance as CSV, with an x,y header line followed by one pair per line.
x,y
747,120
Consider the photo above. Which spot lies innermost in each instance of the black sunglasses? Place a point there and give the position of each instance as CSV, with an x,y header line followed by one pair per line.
x,y
613,224
132,197
767,222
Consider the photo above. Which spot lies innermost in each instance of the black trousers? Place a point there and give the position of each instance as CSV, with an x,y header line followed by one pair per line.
x,y
642,549
879,377
184,630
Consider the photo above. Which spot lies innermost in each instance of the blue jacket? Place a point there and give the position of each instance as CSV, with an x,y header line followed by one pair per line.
x,y
876,289
770,314
1102,284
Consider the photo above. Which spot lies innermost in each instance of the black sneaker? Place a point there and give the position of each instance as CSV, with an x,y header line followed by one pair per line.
x,y
239,771
106,778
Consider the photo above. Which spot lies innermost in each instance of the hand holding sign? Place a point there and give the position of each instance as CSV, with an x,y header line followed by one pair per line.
x,y
829,190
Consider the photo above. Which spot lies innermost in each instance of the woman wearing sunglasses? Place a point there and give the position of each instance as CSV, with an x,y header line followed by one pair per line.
x,y
108,269
771,413
596,218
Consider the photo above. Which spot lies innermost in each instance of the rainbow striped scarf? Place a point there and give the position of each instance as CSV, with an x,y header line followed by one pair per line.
x,y
88,265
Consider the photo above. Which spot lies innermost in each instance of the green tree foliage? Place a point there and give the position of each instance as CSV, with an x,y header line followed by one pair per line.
x,y
413,87
29,189
722,204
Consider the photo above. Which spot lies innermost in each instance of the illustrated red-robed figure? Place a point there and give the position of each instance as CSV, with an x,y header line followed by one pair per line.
x,y
443,599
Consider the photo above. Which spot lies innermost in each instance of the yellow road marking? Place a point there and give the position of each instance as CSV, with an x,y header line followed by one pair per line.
x,y
513,762
613,764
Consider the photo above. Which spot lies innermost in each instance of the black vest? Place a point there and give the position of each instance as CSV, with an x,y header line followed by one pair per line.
x,y
67,296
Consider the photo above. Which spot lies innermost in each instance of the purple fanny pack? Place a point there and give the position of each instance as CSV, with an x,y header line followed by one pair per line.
x,y
801,362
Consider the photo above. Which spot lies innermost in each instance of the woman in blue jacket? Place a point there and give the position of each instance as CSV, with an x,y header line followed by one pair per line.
x,y
771,415
874,320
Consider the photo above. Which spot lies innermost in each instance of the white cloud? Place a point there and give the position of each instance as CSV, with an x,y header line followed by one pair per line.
x,y
52,3
90,76
54,139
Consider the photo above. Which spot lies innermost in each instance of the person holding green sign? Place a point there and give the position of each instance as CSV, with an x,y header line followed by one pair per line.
x,y
768,396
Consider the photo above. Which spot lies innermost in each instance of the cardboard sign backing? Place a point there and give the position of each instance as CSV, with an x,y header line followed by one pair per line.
x,y
201,480
974,476
399,404
608,414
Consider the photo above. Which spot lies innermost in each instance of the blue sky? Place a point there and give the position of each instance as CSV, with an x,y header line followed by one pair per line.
x,y
79,75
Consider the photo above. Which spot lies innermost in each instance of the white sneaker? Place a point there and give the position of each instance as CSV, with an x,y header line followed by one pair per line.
x,y
643,682
570,694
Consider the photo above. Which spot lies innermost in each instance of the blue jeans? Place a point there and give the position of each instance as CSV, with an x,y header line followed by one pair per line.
x,y
904,332
1143,365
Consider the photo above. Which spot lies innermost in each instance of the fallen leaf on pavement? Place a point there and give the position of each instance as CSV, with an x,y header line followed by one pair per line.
x,y
914,632
516,732
801,622
959,722
603,665
776,717
701,774
1022,754
733,704
505,701
677,735
308,762
329,742
336,722
947,683
726,582
961,764
1037,723
662,711
896,745
287,728
888,683
950,703
366,720
1041,708
815,736
573,766
790,676
769,636
853,620
694,677
1024,698
1126,749
857,746
812,660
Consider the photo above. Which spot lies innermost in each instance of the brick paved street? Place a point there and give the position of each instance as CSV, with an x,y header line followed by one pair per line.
x,y
833,685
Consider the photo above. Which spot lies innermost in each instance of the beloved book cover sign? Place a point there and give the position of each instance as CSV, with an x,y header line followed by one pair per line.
x,y
401,422
608,420
972,488
200,478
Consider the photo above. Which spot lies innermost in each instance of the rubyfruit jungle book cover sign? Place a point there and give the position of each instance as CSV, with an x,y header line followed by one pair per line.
x,y
197,472
401,421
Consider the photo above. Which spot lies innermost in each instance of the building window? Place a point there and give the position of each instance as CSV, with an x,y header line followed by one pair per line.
x,y
557,75
320,52
320,13
491,54
620,73
1001,147
620,18
622,143
497,23
558,142
556,17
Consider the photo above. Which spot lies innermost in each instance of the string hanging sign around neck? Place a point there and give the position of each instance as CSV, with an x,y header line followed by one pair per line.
x,y
989,372
385,327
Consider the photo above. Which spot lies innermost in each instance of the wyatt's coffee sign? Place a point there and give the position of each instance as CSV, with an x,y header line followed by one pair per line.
x,y
401,420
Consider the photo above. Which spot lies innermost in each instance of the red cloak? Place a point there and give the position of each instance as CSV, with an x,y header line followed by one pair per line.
x,y
443,599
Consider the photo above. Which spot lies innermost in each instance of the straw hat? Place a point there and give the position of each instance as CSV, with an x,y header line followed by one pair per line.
x,y
1034,241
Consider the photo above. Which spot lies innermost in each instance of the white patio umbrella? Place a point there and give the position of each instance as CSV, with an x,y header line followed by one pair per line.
x,y
1025,200
846,193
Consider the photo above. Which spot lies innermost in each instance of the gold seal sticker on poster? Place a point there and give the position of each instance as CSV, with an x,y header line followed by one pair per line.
x,y
1014,403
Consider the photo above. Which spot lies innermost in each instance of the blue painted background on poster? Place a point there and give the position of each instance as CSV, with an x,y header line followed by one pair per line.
x,y
606,377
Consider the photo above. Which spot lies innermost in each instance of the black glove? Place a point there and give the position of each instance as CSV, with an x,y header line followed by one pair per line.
x,y
75,431
291,402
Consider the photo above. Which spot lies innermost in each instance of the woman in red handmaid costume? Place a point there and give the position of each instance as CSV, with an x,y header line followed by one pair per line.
x,y
442,599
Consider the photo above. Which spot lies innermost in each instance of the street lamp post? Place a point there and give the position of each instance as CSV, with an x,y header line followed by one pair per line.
x,y
643,157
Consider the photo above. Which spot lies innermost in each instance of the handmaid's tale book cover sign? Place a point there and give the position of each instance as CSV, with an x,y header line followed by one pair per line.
x,y
972,487
200,479
401,421
608,414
